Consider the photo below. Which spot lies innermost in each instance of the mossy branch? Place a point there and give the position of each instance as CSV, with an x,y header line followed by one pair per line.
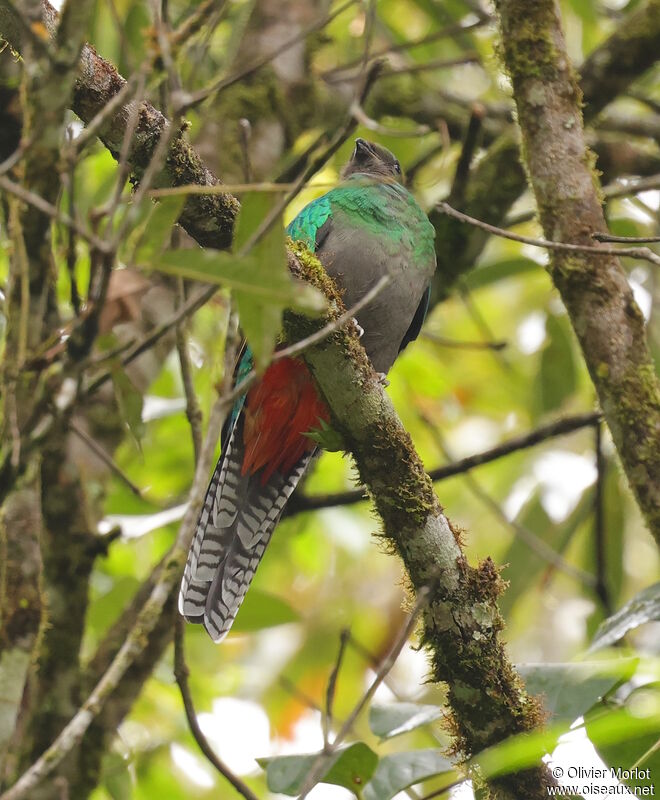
x,y
607,322
461,622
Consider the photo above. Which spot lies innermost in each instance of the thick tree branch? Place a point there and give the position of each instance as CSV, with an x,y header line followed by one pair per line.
x,y
461,622
628,53
207,218
604,315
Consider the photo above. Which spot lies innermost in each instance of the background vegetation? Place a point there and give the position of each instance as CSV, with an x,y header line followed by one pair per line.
x,y
98,455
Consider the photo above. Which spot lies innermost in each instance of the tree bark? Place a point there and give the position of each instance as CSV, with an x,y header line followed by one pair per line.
x,y
606,320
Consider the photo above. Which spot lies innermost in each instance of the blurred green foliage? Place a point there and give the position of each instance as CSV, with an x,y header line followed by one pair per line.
x,y
324,571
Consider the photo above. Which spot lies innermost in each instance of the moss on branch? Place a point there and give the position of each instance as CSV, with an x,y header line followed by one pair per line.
x,y
606,320
461,622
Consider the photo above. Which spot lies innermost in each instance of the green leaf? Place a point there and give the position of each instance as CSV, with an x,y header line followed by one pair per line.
x,y
263,610
569,690
398,771
115,776
644,607
156,232
526,749
129,402
327,437
262,321
525,565
627,752
395,718
350,767
487,274
557,371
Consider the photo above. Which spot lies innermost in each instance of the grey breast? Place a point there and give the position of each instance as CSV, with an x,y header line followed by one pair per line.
x,y
356,259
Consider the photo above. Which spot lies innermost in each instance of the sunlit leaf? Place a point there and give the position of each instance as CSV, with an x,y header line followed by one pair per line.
x,y
350,767
397,771
262,610
557,372
395,718
634,751
644,607
526,749
487,274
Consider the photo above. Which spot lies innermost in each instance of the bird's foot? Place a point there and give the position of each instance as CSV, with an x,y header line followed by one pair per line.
x,y
360,329
382,379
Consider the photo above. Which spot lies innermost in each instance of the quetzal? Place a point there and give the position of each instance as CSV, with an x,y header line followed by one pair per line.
x,y
366,227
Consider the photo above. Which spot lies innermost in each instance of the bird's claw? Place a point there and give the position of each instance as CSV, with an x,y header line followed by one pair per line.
x,y
360,329
382,379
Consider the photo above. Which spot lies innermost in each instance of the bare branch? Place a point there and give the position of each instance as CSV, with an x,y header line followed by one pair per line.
x,y
643,253
561,427
181,674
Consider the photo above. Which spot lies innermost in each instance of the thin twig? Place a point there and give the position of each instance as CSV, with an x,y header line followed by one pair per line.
x,y
385,130
233,188
609,237
134,643
470,142
332,686
449,30
191,305
601,588
50,210
534,542
181,675
196,21
106,458
643,253
223,83
560,427
318,766
193,411
89,132
464,345
612,191
298,348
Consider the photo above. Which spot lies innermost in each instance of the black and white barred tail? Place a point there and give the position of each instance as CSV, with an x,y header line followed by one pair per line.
x,y
237,520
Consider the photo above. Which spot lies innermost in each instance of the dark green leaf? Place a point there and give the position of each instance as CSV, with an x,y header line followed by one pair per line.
x,y
350,767
570,690
644,607
400,770
395,718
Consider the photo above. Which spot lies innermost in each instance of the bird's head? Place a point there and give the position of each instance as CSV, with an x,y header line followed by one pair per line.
x,y
372,159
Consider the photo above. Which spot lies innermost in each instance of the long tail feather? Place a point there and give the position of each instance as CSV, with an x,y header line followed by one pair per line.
x,y
234,528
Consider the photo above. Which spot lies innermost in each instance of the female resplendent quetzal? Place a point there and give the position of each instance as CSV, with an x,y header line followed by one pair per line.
x,y
366,227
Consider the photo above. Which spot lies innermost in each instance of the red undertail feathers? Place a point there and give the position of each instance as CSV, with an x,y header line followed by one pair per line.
x,y
278,411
